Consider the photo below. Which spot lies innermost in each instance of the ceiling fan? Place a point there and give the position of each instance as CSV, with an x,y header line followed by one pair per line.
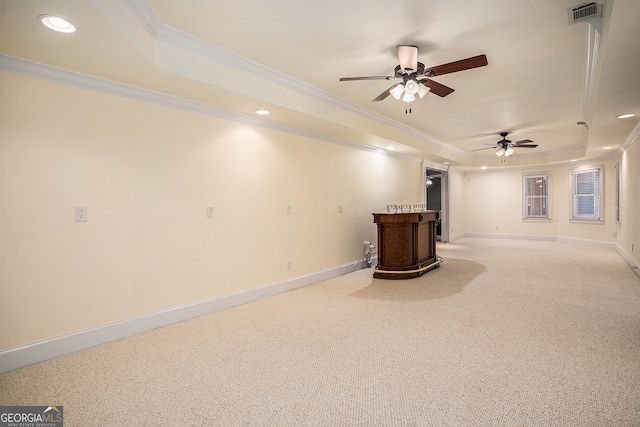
x,y
506,147
415,76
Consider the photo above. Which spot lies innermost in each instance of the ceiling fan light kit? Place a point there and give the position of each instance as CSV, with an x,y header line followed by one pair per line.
x,y
410,89
415,77
506,153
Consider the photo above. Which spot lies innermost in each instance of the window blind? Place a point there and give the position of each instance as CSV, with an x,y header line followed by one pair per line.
x,y
587,194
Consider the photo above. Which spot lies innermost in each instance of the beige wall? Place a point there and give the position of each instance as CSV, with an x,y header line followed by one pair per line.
x,y
493,201
456,204
493,205
629,227
146,174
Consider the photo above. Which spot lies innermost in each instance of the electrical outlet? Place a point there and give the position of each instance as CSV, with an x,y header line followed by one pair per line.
x,y
289,265
289,210
210,212
497,228
339,208
80,213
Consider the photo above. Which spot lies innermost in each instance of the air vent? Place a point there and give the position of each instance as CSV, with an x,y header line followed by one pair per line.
x,y
588,12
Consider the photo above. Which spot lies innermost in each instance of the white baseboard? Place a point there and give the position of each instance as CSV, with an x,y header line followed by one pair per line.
x,y
586,242
39,351
629,259
611,245
561,239
511,236
454,237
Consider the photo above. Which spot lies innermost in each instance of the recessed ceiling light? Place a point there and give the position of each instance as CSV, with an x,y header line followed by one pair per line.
x,y
446,163
262,112
625,116
483,167
607,148
574,160
391,147
57,23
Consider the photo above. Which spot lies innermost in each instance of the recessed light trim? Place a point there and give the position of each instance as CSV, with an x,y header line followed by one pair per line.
x,y
625,116
607,147
262,112
391,147
56,23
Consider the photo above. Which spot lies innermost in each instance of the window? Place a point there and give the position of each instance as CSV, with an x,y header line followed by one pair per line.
x,y
536,196
586,189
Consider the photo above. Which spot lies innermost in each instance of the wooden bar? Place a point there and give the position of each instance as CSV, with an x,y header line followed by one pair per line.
x,y
406,244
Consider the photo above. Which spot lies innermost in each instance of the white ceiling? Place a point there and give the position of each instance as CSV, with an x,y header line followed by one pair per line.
x,y
543,77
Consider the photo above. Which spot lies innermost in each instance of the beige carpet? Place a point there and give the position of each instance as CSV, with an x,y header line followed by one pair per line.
x,y
504,333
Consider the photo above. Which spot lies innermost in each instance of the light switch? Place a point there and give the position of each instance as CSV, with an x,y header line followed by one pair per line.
x,y
210,212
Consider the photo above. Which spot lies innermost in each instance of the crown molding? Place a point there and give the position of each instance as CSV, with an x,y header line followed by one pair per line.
x,y
429,164
75,79
633,137
146,16
185,42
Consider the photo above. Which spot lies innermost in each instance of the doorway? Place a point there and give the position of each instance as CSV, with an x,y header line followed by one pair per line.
x,y
436,190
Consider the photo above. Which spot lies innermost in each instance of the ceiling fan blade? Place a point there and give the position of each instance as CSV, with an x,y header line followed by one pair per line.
x,y
488,148
524,141
526,146
348,79
461,65
437,88
384,94
408,57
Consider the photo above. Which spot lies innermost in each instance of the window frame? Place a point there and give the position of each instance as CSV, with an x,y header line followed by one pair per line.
x,y
526,196
573,179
